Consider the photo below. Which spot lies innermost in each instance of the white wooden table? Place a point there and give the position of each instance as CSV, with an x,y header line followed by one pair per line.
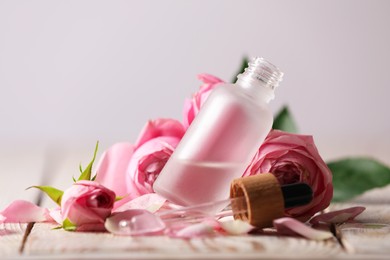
x,y
21,168
45,243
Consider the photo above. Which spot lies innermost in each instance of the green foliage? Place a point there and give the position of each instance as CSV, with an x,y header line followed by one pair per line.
x,y
284,121
86,174
56,228
354,176
53,193
68,225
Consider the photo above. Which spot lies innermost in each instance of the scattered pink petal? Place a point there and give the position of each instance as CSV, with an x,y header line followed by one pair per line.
x,y
55,214
196,230
151,202
338,216
290,226
236,227
21,211
134,222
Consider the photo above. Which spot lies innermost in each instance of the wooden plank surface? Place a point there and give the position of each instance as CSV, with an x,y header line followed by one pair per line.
x,y
357,242
370,235
45,241
367,239
11,237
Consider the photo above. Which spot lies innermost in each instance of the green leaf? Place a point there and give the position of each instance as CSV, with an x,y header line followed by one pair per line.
x,y
86,174
354,176
81,168
243,66
53,193
68,225
117,198
56,228
284,121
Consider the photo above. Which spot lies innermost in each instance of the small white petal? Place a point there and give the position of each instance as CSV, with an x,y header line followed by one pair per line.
x,y
236,227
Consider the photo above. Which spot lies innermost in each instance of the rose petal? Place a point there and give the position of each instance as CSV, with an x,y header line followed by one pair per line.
x,y
290,226
134,222
193,105
160,127
338,216
282,151
209,79
148,161
236,227
55,214
111,169
151,202
196,230
24,212
188,113
86,203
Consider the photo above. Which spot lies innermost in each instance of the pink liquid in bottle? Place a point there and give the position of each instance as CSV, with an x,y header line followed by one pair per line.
x,y
222,139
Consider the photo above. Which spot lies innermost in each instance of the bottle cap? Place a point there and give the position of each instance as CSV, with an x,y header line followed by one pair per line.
x,y
264,199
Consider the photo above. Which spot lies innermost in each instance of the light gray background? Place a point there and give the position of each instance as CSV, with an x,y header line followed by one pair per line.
x,y
73,72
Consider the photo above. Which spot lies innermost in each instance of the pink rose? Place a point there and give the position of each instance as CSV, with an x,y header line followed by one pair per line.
x,y
87,204
160,127
192,106
155,145
130,170
295,158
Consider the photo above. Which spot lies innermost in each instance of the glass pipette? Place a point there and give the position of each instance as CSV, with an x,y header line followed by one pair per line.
x,y
142,222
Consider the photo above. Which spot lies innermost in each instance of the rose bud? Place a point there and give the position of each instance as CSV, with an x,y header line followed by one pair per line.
x,y
86,205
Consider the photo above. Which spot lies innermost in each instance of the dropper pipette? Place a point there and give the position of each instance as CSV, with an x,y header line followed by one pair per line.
x,y
294,195
257,200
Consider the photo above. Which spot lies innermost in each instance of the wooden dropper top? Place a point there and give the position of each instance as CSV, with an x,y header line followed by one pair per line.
x,y
265,199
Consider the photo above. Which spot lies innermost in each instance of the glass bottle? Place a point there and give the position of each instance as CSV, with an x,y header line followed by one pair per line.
x,y
222,139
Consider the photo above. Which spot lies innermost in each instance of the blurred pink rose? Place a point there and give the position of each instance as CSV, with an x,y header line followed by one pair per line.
x,y
111,169
130,170
87,204
192,106
294,158
160,127
154,147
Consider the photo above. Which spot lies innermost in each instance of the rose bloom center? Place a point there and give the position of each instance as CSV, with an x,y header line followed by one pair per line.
x,y
289,173
153,170
98,201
